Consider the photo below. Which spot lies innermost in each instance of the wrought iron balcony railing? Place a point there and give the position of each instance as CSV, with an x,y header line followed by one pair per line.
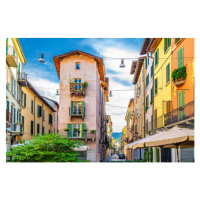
x,y
22,79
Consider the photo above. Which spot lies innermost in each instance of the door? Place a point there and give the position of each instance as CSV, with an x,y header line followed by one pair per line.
x,y
181,104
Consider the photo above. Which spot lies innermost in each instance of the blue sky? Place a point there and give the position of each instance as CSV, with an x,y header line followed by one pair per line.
x,y
44,76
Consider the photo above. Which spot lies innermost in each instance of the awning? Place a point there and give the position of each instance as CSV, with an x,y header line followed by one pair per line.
x,y
172,137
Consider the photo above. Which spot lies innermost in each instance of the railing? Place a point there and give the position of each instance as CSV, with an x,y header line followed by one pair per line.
x,y
22,76
10,50
179,114
18,128
8,117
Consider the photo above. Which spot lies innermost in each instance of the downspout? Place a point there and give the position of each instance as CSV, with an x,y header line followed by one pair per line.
x,y
34,117
42,116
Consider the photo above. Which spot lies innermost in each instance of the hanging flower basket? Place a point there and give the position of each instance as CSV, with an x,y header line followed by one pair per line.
x,y
179,83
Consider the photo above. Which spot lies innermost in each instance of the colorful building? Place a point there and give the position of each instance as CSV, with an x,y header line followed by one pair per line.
x,y
54,104
82,99
37,114
109,134
15,81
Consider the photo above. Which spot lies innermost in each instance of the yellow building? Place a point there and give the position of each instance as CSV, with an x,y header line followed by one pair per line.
x,y
15,80
161,49
37,114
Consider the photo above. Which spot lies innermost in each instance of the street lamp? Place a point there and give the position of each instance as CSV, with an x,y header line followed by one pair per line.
x,y
122,65
57,93
41,60
110,95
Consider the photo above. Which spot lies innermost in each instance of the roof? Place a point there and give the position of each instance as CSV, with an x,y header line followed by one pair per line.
x,y
133,66
145,46
153,45
100,65
137,70
39,96
57,104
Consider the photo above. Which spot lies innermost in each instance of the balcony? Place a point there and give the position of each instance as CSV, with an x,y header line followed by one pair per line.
x,y
22,79
181,114
77,113
77,89
11,56
8,119
17,129
90,136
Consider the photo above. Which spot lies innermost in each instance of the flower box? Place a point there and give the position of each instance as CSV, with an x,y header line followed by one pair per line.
x,y
179,83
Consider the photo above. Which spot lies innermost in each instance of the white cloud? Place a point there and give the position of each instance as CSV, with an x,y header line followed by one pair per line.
x,y
117,80
45,87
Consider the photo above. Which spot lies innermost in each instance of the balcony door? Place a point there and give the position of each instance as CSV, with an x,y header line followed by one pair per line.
x,y
77,108
181,105
77,80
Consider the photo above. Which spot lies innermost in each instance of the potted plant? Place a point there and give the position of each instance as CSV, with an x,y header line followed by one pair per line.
x,y
85,85
178,76
76,129
92,131
66,129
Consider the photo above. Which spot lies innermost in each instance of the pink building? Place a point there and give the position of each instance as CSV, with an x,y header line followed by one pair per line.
x,y
82,99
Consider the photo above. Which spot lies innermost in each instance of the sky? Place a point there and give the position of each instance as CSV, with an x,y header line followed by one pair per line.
x,y
44,78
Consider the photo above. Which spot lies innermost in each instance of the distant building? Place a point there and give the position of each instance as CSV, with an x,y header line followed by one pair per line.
x,y
54,104
37,114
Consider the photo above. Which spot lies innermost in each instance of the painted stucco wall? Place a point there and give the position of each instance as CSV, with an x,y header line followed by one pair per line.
x,y
88,72
188,45
29,116
164,89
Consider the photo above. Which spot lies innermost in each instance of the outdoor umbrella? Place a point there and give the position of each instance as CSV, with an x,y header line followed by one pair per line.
x,y
170,138
82,148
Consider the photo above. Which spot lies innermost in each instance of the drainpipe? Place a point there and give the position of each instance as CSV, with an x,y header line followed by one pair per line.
x,y
34,117
42,116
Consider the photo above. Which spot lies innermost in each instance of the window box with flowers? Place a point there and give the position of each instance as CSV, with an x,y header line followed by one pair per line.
x,y
179,76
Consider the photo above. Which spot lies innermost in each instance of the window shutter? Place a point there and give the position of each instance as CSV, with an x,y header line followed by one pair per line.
x,y
38,111
181,57
69,126
24,100
43,130
23,120
167,74
169,42
31,127
31,105
83,106
157,56
14,114
165,44
156,82
152,95
7,105
38,128
146,63
83,132
71,107
17,116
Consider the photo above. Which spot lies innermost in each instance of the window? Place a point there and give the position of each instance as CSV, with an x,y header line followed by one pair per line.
x,y
147,80
76,130
157,57
77,108
43,130
31,127
38,128
77,65
24,100
31,105
50,119
23,120
151,70
167,43
77,82
146,63
151,95
156,86
168,73
180,58
7,105
39,113
147,101
43,116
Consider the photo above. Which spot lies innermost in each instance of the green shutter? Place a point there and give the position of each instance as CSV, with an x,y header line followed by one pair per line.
x,y
24,100
157,56
146,63
182,57
23,120
71,107
83,132
152,95
14,115
83,112
17,116
156,85
169,42
8,106
165,44
31,127
32,106
38,111
69,126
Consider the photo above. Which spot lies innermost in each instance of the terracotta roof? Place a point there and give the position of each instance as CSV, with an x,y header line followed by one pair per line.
x,y
145,46
39,96
133,66
138,69
99,61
